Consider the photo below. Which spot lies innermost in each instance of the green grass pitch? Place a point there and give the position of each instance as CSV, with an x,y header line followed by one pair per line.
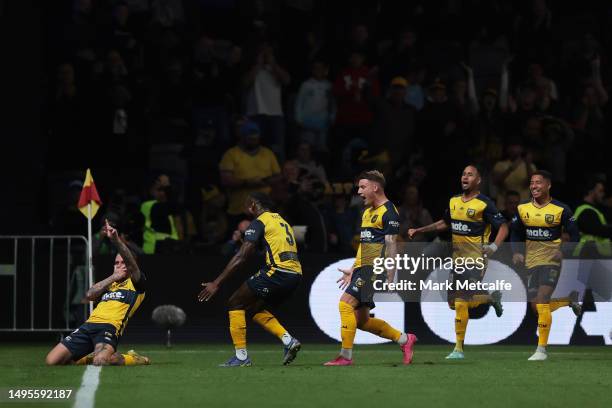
x,y
188,376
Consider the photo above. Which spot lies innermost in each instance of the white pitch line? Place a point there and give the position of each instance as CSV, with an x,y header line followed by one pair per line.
x,y
86,395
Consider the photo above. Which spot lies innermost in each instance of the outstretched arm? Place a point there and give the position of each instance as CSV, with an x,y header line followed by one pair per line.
x,y
210,288
437,226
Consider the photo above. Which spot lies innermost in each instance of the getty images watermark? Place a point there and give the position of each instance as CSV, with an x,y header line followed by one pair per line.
x,y
411,265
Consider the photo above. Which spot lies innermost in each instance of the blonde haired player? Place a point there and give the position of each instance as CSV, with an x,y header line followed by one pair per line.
x,y
379,230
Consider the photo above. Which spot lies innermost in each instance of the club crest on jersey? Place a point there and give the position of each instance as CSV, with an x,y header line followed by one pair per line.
x,y
471,212
359,282
549,218
374,218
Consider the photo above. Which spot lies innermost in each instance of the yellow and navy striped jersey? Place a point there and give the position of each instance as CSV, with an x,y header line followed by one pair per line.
x,y
119,303
375,224
470,223
540,228
277,238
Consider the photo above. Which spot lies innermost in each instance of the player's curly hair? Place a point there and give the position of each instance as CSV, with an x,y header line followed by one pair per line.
x,y
262,199
373,175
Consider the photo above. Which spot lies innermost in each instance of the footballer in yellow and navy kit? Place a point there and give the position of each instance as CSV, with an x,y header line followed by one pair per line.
x,y
118,296
540,223
276,281
109,319
470,217
541,228
470,223
283,272
375,224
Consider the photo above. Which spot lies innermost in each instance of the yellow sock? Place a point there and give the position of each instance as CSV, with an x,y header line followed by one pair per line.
x,y
88,359
558,303
478,300
544,323
462,317
381,328
237,326
267,320
348,324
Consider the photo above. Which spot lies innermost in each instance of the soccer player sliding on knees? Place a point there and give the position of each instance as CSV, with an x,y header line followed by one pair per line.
x,y
539,223
379,230
119,295
470,216
269,287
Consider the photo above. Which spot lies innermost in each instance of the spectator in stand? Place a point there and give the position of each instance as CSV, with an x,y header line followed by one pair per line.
x,y
489,132
589,121
402,56
231,247
354,89
513,173
308,166
209,90
245,168
414,215
341,221
122,36
546,94
264,82
161,213
360,41
595,230
511,201
293,194
438,121
315,108
395,122
415,94
464,95
213,218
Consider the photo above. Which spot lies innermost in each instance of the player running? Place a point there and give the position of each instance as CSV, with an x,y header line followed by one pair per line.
x,y
120,295
470,216
379,230
269,287
539,223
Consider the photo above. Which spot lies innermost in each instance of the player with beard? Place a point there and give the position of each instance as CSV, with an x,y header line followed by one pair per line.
x,y
379,231
470,216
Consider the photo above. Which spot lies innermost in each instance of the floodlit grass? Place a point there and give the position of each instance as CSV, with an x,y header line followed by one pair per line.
x,y
188,376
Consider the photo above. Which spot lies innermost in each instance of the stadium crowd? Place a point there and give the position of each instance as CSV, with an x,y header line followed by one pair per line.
x,y
210,100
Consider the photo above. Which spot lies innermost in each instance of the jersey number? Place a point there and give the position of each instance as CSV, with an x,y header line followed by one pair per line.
x,y
289,236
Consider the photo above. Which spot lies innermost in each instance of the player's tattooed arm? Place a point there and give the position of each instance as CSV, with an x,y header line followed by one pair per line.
x,y
437,226
210,288
391,252
100,287
124,251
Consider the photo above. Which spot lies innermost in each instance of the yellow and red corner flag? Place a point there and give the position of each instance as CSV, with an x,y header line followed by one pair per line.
x,y
89,194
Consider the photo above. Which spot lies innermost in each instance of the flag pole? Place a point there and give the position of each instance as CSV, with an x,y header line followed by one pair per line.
x,y
89,252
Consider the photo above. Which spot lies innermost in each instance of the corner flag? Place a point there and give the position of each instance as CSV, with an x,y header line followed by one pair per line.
x,y
89,194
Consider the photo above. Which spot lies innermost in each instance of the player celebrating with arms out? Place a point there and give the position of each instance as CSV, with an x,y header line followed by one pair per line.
x,y
268,287
470,215
539,223
119,296
379,230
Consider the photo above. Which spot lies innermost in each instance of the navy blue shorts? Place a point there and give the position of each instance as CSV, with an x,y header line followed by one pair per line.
x,y
274,288
544,275
362,285
83,340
